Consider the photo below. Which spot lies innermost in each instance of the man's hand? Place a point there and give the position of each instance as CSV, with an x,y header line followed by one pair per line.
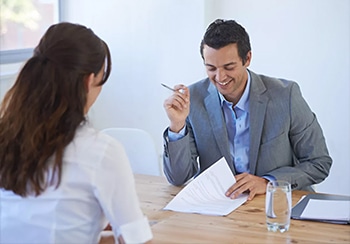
x,y
177,107
247,183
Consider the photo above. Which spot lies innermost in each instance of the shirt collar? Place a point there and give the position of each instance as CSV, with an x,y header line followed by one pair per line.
x,y
243,102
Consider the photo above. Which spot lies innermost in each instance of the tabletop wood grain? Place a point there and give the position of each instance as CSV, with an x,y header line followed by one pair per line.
x,y
246,224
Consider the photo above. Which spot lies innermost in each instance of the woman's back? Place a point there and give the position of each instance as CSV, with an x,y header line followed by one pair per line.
x,y
94,166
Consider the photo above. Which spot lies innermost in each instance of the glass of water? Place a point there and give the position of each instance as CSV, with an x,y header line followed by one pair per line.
x,y
278,205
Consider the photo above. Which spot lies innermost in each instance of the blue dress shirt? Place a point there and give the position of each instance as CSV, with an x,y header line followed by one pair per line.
x,y
237,125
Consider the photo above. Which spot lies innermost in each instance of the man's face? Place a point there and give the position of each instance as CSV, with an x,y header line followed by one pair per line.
x,y
225,70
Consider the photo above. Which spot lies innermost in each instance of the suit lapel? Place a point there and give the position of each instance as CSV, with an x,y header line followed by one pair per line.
x,y
257,107
217,122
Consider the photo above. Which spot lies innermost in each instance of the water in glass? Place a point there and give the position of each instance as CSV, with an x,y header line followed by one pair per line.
x,y
278,206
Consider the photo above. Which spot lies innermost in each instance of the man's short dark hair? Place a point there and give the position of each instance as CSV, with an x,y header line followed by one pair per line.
x,y
221,33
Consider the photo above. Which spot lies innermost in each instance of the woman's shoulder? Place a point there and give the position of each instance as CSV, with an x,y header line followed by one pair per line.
x,y
93,147
88,134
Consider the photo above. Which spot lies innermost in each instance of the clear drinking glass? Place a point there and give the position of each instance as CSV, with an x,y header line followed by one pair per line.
x,y
278,205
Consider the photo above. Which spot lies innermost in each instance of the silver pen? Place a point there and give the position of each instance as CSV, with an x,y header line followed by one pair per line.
x,y
172,89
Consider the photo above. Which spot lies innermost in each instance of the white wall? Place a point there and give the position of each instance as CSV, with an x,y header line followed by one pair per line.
x,y
8,74
154,41
151,41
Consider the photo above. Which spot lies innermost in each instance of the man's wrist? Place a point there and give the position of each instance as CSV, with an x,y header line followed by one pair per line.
x,y
176,128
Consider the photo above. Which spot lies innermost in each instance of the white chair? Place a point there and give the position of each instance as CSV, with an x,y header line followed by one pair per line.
x,y
139,147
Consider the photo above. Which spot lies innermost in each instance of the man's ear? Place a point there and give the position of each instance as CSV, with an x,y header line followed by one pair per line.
x,y
89,80
248,59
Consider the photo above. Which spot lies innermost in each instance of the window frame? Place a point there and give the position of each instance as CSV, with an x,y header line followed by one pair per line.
x,y
15,56
21,55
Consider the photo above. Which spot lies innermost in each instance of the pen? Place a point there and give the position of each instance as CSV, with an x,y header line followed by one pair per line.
x,y
168,87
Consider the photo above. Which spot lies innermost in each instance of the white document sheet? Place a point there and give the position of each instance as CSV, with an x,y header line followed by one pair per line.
x,y
206,193
327,210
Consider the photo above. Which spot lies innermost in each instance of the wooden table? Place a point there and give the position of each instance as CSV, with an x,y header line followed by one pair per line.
x,y
246,224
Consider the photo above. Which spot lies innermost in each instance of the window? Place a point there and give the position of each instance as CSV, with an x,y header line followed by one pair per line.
x,y
22,24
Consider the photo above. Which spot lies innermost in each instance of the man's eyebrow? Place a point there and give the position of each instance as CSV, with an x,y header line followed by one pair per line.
x,y
225,65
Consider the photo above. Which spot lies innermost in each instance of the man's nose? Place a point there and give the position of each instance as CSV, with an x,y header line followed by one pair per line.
x,y
220,75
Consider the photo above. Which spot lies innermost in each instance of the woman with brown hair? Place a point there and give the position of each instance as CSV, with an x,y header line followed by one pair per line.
x,y
61,181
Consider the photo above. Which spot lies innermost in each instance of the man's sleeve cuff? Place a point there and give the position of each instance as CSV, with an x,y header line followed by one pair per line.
x,y
176,136
269,177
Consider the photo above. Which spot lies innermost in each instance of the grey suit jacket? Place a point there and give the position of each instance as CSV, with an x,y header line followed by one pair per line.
x,y
286,141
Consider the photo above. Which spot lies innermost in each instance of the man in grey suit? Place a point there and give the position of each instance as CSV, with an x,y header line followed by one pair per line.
x,y
261,125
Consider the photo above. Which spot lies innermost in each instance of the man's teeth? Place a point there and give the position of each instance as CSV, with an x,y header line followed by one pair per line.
x,y
224,83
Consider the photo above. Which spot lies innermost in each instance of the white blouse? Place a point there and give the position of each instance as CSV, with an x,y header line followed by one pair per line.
x,y
97,187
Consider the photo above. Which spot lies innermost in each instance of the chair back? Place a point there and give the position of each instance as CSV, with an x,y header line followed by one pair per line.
x,y
140,149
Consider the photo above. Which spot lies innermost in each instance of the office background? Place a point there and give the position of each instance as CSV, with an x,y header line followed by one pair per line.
x,y
154,41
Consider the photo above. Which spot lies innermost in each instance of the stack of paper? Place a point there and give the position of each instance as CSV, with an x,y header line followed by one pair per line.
x,y
206,193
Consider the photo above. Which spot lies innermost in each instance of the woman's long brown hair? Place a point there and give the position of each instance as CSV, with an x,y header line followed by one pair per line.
x,y
41,112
